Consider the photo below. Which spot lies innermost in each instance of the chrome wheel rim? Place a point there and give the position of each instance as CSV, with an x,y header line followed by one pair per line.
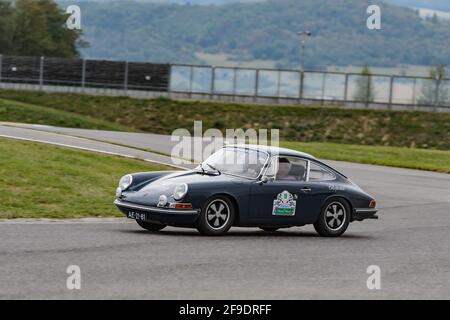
x,y
217,214
335,216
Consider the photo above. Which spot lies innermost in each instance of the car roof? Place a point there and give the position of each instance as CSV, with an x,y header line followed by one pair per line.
x,y
273,150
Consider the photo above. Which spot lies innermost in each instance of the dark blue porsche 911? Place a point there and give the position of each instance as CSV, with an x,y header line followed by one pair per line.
x,y
246,186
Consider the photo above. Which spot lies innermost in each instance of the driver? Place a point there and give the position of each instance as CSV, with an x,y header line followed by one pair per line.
x,y
284,168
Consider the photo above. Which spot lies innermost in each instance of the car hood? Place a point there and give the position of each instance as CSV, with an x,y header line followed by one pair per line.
x,y
149,194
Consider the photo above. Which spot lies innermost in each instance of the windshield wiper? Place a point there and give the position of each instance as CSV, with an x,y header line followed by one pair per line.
x,y
215,169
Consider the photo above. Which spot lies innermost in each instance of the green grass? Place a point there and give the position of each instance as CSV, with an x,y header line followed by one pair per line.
x,y
426,130
431,160
42,181
13,111
391,138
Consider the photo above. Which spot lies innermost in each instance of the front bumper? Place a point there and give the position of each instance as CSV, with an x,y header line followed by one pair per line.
x,y
363,214
165,216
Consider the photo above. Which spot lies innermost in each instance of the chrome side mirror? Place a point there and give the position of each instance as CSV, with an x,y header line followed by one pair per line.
x,y
265,179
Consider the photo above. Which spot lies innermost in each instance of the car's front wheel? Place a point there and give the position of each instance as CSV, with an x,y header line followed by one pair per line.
x,y
334,218
217,216
150,226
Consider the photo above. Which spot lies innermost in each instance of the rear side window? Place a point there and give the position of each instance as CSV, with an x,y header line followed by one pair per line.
x,y
319,173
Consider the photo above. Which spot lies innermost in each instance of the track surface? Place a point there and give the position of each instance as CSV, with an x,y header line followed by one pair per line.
x,y
410,243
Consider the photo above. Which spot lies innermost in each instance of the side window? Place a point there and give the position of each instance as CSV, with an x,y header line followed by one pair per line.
x,y
319,173
291,169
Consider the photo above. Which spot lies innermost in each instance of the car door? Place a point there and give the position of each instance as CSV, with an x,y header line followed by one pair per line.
x,y
286,201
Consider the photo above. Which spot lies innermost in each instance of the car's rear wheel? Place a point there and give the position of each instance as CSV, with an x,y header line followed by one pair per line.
x,y
269,229
334,218
217,216
150,226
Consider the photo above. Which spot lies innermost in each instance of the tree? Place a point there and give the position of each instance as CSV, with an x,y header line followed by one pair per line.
x,y
6,26
364,86
435,93
37,27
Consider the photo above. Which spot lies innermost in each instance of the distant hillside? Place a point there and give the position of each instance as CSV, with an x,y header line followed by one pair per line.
x,y
192,2
431,4
267,31
443,5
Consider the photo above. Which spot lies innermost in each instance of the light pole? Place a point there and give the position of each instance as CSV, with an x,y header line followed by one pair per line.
x,y
303,37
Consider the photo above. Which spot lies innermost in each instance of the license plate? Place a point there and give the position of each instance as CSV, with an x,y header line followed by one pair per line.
x,y
136,216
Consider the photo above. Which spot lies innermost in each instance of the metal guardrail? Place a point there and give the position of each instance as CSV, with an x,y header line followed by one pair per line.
x,y
225,81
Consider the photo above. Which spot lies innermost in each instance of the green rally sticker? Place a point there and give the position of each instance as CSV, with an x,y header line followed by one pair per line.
x,y
284,205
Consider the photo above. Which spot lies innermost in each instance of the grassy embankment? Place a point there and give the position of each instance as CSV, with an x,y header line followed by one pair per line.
x,y
404,139
42,181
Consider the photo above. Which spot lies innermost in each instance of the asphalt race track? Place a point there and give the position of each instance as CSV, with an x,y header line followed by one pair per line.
x,y
410,243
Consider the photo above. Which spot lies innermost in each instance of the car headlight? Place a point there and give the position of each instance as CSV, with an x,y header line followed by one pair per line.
x,y
180,191
126,182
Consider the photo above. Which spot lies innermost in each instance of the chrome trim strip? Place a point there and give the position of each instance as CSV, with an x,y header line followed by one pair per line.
x,y
366,210
307,170
153,209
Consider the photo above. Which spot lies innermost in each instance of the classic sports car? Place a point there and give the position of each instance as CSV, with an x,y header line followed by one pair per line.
x,y
246,186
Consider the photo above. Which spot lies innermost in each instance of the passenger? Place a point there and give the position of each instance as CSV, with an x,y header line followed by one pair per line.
x,y
284,168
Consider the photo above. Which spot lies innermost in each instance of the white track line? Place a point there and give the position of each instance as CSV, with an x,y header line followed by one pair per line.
x,y
92,150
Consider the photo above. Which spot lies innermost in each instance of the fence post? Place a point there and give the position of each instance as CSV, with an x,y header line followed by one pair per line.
x,y
323,88
191,79
213,80
169,82
125,81
302,84
368,91
391,91
436,94
256,85
346,87
234,83
83,75
41,73
279,86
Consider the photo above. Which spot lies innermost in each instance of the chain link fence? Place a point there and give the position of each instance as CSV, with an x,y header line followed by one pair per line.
x,y
315,86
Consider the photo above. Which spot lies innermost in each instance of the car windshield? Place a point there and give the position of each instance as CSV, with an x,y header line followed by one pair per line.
x,y
237,161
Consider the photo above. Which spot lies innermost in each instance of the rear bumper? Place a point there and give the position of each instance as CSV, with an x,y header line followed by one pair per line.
x,y
363,214
159,215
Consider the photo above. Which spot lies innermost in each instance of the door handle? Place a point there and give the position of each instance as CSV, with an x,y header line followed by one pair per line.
x,y
305,190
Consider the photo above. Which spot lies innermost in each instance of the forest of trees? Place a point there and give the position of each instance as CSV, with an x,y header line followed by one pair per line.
x,y
36,27
139,31
266,30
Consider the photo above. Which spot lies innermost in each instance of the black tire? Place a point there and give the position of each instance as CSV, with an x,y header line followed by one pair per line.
x,y
334,218
150,226
269,229
217,216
